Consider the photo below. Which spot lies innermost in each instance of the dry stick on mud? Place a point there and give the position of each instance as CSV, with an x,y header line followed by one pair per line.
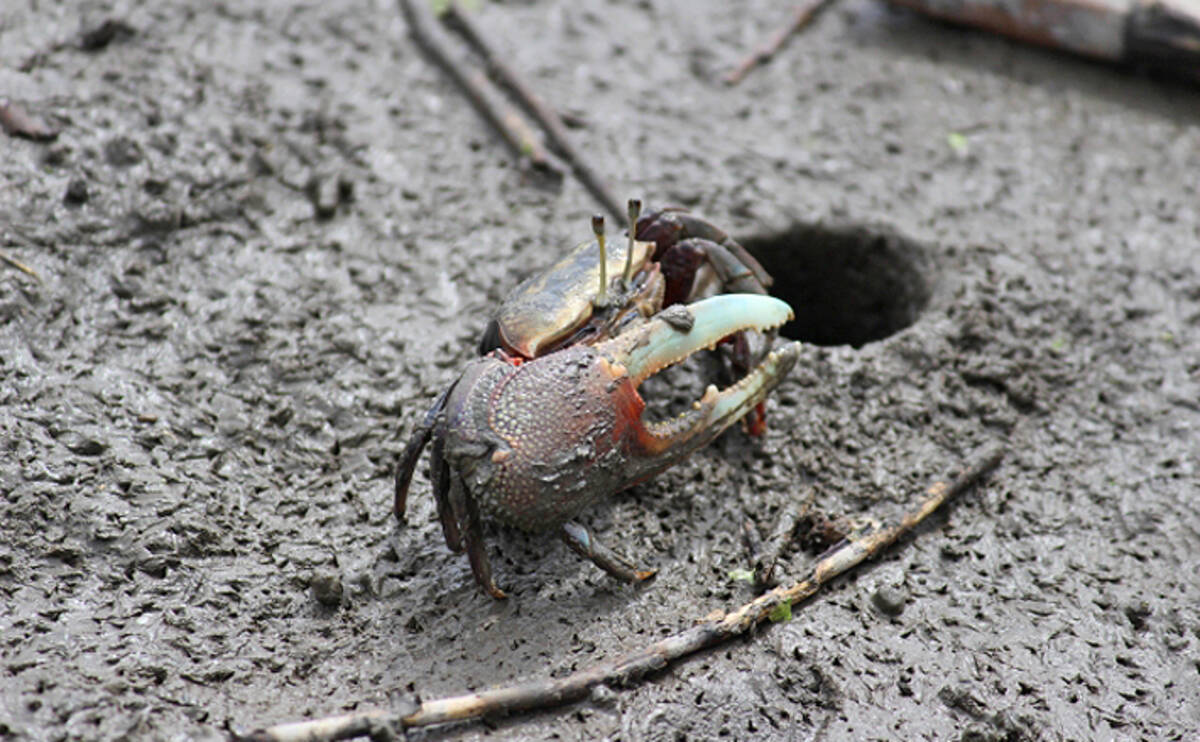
x,y
801,17
556,131
626,670
20,266
512,129
1164,34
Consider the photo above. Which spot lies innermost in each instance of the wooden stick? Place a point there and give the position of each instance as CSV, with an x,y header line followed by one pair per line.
x,y
556,131
626,670
20,266
780,541
801,17
508,123
1164,34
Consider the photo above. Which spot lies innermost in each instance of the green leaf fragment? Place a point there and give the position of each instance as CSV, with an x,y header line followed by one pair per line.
x,y
958,142
781,612
741,575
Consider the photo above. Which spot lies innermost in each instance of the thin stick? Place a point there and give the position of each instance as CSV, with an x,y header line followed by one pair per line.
x,y
508,124
556,131
625,670
1162,34
20,266
781,539
801,17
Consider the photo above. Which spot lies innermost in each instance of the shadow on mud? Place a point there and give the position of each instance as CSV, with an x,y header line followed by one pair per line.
x,y
848,284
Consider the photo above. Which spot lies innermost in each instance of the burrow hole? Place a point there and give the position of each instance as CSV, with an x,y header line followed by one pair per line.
x,y
848,285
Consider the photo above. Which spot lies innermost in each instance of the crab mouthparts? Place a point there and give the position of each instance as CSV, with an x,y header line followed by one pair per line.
x,y
681,330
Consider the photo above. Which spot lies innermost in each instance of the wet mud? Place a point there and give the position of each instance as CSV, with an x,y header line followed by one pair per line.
x,y
266,235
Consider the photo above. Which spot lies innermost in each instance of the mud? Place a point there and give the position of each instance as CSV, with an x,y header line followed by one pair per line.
x,y
268,234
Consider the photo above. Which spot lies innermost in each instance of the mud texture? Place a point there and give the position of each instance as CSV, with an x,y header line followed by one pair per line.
x,y
269,233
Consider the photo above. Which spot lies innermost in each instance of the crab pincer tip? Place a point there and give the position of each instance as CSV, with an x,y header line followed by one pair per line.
x,y
661,343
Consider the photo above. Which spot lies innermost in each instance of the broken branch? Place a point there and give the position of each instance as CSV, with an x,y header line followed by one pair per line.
x,y
508,124
801,17
556,131
627,669
20,266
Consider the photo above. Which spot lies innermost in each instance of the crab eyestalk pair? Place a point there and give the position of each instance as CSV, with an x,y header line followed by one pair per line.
x,y
635,210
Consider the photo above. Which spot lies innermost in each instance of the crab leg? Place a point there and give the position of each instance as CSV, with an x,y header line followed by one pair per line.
x,y
671,225
581,540
481,566
407,461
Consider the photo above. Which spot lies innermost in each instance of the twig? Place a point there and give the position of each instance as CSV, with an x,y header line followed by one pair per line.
x,y
625,670
20,266
556,131
508,124
781,539
753,542
1163,34
801,17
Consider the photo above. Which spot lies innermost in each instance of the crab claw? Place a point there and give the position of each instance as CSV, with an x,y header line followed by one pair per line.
x,y
566,429
533,444
672,336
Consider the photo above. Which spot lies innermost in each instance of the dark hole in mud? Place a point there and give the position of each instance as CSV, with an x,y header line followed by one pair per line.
x,y
848,285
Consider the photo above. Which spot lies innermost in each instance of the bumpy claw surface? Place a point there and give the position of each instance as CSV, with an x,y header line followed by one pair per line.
x,y
533,444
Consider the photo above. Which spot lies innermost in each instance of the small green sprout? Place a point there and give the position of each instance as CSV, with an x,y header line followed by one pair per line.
x,y
958,142
781,612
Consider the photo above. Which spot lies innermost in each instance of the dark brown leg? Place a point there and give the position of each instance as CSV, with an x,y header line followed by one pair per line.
x,y
583,543
736,276
440,474
666,227
407,462
476,549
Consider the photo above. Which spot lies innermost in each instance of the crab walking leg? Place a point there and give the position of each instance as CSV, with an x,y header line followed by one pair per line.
x,y
481,567
735,275
581,540
671,225
407,462
439,473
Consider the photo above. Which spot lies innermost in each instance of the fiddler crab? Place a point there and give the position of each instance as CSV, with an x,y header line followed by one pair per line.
x,y
548,419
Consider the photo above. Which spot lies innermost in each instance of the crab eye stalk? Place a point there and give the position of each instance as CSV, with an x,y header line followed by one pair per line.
x,y
635,210
598,230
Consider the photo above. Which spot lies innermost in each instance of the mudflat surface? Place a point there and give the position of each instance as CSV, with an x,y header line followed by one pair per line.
x,y
201,402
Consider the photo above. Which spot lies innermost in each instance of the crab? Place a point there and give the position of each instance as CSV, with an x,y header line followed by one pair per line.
x,y
549,420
